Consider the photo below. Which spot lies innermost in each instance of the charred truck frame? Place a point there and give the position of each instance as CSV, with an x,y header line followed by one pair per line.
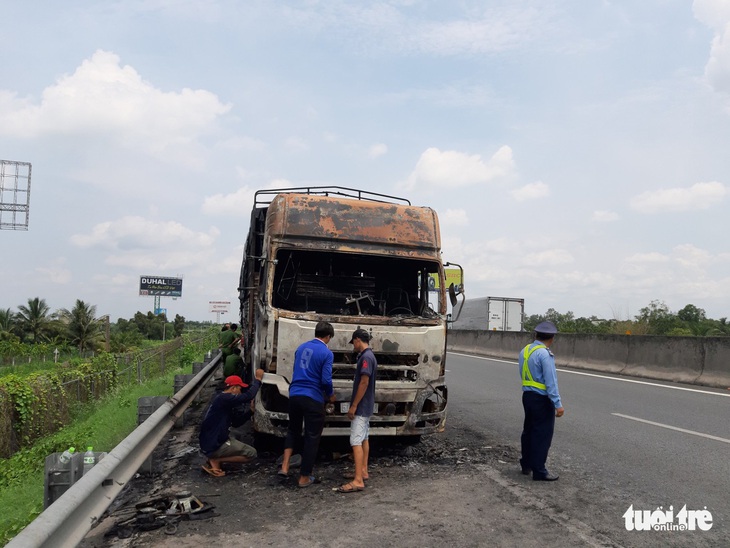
x,y
356,259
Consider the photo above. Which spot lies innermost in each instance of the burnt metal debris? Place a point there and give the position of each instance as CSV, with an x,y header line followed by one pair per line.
x,y
166,511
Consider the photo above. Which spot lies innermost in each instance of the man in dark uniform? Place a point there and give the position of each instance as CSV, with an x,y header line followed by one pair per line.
x,y
540,400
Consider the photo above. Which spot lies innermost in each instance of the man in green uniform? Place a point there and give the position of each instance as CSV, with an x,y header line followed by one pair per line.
x,y
228,340
234,364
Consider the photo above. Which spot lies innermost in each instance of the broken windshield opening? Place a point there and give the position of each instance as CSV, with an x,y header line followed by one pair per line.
x,y
352,284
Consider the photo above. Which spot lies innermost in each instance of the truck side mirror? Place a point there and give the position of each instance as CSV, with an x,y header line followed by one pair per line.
x,y
454,291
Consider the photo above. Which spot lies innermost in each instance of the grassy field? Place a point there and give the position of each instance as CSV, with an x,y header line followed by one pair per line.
x,y
103,427
27,368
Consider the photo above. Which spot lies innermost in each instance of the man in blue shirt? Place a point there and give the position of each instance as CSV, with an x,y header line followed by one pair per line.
x,y
540,400
362,404
311,383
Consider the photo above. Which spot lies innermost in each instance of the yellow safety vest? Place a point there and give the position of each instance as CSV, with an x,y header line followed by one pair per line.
x,y
527,379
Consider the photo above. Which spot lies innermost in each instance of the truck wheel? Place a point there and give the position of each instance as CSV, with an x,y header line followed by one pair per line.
x,y
268,443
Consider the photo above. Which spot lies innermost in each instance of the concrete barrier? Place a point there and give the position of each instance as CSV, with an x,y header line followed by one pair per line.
x,y
603,352
716,370
678,359
693,360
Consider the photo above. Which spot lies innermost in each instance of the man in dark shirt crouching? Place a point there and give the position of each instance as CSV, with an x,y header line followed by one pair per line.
x,y
215,439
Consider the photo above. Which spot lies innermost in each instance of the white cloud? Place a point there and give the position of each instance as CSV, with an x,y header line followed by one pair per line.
x,y
377,150
716,15
602,216
717,69
533,191
237,203
56,272
454,217
551,257
697,197
158,262
117,281
134,233
240,202
693,257
450,169
230,264
713,13
102,98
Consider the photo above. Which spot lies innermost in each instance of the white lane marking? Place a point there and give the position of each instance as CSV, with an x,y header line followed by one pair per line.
x,y
724,440
603,376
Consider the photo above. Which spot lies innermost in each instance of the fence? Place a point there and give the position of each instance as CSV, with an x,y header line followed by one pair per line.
x,y
12,360
139,367
36,406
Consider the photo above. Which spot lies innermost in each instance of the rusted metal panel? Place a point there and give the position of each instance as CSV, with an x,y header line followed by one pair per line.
x,y
351,222
425,340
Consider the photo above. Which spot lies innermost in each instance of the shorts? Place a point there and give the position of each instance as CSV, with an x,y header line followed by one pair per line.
x,y
359,430
233,448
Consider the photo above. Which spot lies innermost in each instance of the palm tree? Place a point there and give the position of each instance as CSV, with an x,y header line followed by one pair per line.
x,y
35,319
6,319
84,329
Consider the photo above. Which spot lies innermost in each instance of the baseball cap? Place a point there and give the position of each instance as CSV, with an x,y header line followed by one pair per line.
x,y
546,328
235,380
361,334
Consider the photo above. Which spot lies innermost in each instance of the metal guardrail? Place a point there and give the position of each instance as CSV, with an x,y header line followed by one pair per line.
x,y
66,522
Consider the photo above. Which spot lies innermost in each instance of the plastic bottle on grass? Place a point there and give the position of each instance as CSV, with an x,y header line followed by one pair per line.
x,y
89,459
65,457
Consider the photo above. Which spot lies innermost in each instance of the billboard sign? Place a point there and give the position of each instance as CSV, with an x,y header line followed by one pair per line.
x,y
219,306
160,286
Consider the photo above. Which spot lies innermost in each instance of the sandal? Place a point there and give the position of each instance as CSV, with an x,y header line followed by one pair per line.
x,y
215,472
312,480
348,488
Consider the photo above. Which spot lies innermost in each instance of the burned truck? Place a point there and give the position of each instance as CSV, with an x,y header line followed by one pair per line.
x,y
356,259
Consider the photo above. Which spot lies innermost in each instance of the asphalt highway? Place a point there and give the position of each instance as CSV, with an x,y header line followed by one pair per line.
x,y
623,442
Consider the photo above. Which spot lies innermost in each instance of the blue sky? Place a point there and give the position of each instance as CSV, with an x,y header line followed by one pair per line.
x,y
575,151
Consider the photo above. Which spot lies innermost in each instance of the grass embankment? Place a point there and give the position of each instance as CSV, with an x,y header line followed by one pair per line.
x,y
102,427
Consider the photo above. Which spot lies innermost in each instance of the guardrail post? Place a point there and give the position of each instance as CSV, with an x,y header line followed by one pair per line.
x,y
147,405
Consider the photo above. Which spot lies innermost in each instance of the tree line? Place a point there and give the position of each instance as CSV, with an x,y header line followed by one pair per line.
x,y
35,323
654,319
